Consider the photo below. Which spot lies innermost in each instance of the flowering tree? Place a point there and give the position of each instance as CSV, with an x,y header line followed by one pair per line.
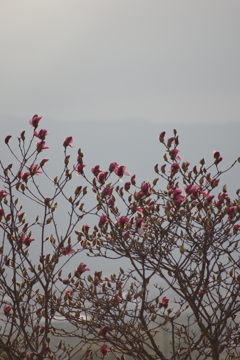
x,y
181,244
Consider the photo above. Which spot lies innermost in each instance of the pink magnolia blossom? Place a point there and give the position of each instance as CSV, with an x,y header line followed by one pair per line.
x,y
2,194
34,169
102,177
217,161
103,331
193,190
7,138
175,192
41,146
224,196
79,158
170,141
7,309
199,206
20,216
138,223
145,187
80,269
104,350
152,203
69,293
213,182
122,220
126,235
209,198
127,186
24,176
185,165
111,203
221,196
164,302
68,250
216,154
174,168
112,166
174,154
103,220
231,209
41,134
121,170
86,228
26,240
217,157
38,312
96,170
176,195
218,203
201,292
195,169
106,192
68,141
79,168
35,120
82,242
133,180
208,177
22,135
145,191
236,228
43,162
162,136
78,190
138,195
116,300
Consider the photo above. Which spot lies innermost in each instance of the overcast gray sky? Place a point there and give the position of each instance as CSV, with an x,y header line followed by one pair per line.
x,y
157,61
114,74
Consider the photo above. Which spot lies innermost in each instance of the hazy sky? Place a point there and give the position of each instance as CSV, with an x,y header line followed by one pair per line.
x,y
114,74
157,61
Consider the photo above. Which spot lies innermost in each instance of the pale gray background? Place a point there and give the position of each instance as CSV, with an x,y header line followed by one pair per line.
x,y
114,74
